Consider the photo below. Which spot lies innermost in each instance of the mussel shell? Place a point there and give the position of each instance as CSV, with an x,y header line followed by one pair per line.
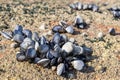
x,y
69,29
85,6
90,6
49,55
57,48
43,40
63,23
37,46
58,28
59,60
72,6
60,69
64,38
53,62
6,35
43,62
78,20
36,59
55,54
18,38
79,5
78,50
18,30
18,27
20,57
56,38
27,43
112,31
27,33
30,53
35,36
95,8
43,48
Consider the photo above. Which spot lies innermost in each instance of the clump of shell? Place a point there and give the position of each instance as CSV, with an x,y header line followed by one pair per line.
x,y
60,53
115,11
81,6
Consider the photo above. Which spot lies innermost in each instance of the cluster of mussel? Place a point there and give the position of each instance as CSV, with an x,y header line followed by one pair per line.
x,y
64,27
80,6
59,53
115,11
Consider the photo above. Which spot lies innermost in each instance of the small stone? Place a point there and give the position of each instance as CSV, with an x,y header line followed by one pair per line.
x,y
50,33
100,35
14,45
68,47
84,34
77,64
54,68
43,26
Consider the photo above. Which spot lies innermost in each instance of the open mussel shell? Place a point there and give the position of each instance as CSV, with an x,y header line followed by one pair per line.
x,y
30,53
60,69
43,62
6,35
18,38
20,57
58,28
77,64
27,33
69,29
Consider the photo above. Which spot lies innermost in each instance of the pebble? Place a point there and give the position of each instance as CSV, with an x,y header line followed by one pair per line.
x,y
100,35
77,64
14,45
68,47
43,26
